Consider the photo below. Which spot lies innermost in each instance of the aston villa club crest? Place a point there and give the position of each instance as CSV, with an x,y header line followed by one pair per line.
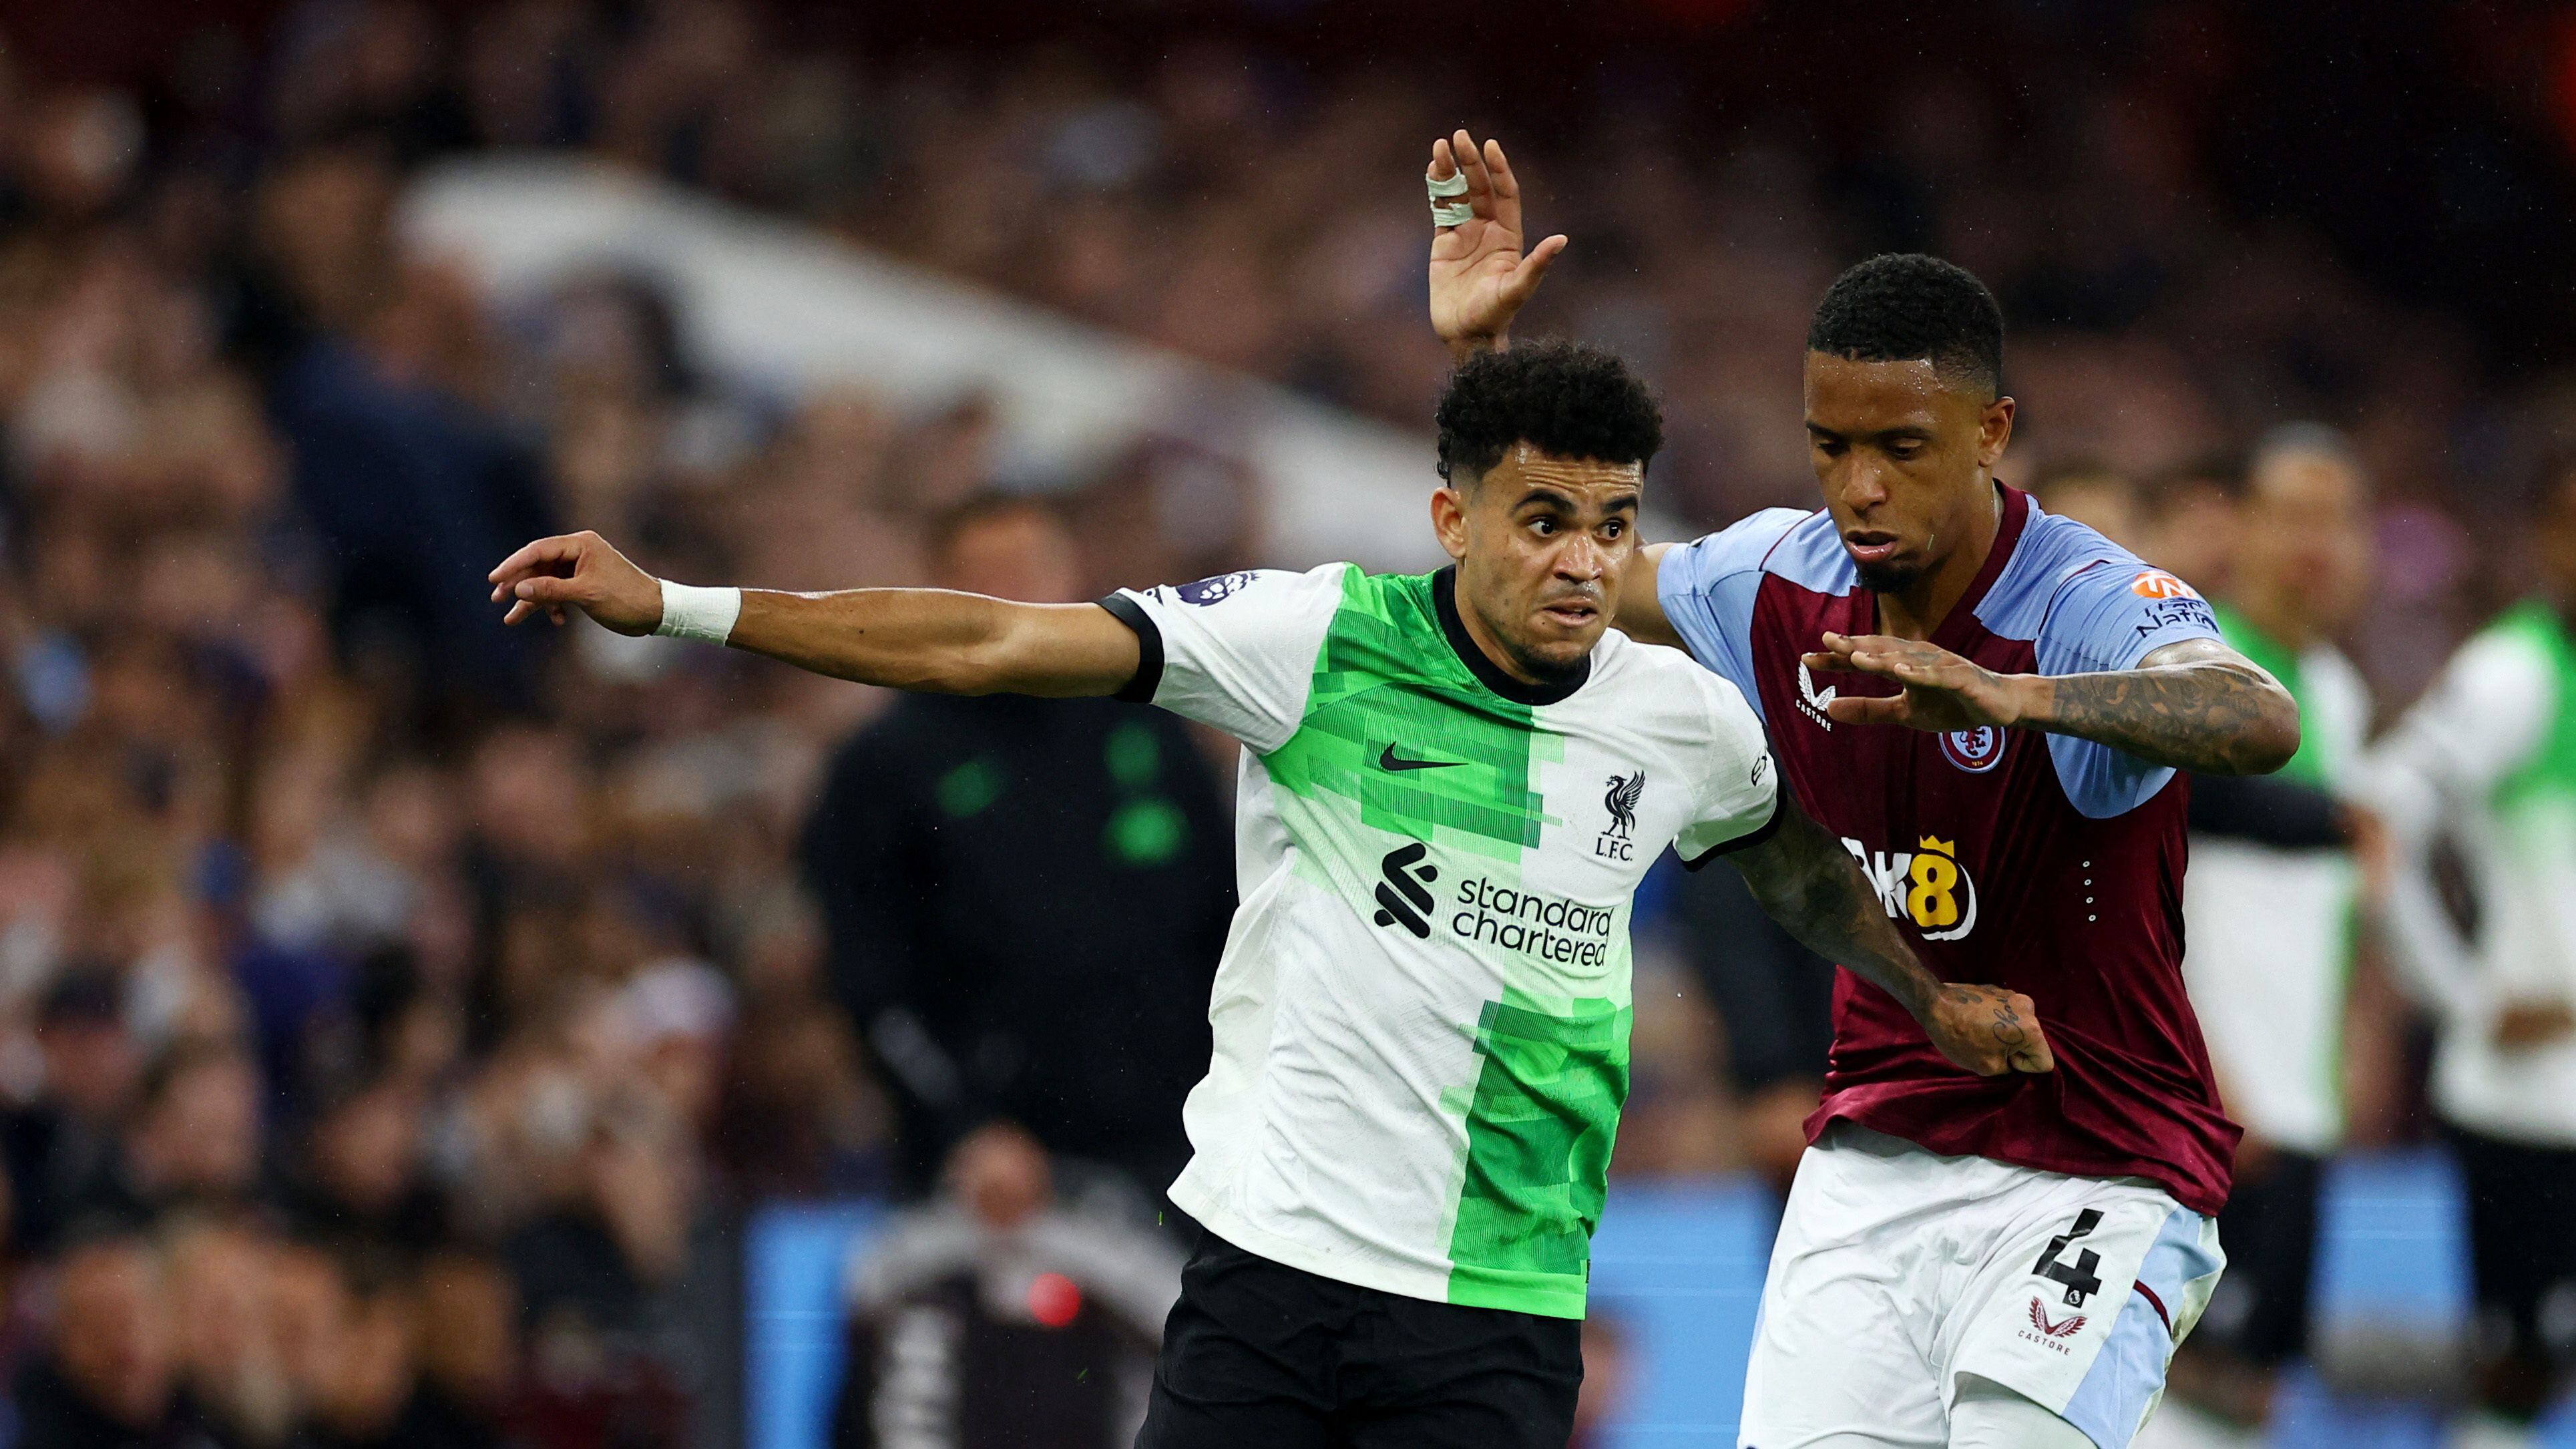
x,y
1975,751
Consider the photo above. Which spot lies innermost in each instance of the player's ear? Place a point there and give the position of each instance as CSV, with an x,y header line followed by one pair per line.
x,y
1994,432
1449,517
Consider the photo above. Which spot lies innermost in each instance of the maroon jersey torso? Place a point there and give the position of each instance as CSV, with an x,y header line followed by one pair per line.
x,y
1997,876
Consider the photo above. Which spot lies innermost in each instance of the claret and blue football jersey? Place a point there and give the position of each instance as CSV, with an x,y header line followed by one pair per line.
x,y
2042,862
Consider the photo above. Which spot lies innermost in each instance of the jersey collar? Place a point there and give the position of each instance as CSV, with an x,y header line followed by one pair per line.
x,y
1444,601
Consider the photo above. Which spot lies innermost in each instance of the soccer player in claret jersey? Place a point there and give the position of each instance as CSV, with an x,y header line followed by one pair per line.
x,y
1451,784
1989,706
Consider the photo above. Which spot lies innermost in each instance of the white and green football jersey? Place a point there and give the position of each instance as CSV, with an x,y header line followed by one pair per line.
x,y
1422,1015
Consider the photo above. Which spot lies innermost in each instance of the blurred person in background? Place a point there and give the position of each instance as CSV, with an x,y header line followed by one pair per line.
x,y
107,1375
2269,917
469,1353
963,849
2487,760
2187,520
361,1176
2098,496
223,1312
60,1141
193,1138
365,1402
996,1318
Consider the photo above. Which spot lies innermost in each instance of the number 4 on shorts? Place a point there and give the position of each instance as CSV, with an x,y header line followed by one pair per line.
x,y
2078,1275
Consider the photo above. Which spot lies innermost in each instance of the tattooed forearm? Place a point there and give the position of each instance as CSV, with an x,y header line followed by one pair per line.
x,y
1811,885
2195,706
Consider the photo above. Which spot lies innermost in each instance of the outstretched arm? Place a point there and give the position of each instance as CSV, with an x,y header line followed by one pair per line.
x,y
931,640
2194,705
1479,274
1811,885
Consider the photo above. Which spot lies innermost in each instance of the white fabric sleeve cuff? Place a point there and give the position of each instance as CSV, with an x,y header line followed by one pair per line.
x,y
690,612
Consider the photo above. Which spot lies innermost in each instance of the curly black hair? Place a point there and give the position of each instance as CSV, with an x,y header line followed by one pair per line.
x,y
1567,398
1905,305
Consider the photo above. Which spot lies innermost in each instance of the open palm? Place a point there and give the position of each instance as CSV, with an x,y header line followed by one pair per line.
x,y
1480,274
1943,691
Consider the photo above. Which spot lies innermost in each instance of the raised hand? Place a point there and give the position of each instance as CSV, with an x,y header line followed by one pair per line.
x,y
578,571
1480,275
1990,1030
1942,690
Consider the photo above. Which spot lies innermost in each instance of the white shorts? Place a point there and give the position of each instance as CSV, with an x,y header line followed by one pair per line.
x,y
1897,1271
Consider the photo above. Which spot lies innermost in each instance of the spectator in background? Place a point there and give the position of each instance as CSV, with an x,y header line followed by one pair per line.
x,y
994,1318
2269,913
61,1141
2096,495
2187,522
361,1177
469,1359
2487,759
223,1312
964,851
193,1140
107,1377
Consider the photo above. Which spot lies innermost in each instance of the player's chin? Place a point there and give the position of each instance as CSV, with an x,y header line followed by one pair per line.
x,y
1561,635
1889,574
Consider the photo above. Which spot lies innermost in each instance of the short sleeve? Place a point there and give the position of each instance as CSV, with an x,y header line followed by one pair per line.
x,y
2117,612
1235,652
2105,617
1739,802
1707,588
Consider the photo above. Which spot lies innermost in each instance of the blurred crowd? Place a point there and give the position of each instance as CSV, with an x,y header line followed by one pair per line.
x,y
395,1011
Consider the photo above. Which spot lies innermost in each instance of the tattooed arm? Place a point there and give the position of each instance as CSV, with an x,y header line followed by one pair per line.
x,y
2194,705
1811,885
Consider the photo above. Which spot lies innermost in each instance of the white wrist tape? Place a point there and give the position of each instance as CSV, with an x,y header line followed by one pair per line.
x,y
1443,211
689,612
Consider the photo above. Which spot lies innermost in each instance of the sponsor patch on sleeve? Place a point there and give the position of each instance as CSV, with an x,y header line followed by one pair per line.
x,y
1209,591
2157,584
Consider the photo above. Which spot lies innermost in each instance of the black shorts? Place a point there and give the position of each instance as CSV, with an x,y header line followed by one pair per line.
x,y
1257,1355
2522,1257
2269,1231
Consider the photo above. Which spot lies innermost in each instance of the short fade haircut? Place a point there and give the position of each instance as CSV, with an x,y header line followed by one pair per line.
x,y
1904,306
1569,399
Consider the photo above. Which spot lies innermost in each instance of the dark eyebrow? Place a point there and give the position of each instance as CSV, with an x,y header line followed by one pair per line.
x,y
1554,499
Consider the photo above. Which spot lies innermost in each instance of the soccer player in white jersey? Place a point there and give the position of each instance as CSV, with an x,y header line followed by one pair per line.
x,y
1450,786
2269,911
2488,758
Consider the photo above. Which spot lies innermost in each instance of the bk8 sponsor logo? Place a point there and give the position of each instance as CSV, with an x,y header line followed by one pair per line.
x,y
1926,885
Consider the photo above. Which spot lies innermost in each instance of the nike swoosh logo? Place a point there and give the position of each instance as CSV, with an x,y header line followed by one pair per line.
x,y
1390,760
